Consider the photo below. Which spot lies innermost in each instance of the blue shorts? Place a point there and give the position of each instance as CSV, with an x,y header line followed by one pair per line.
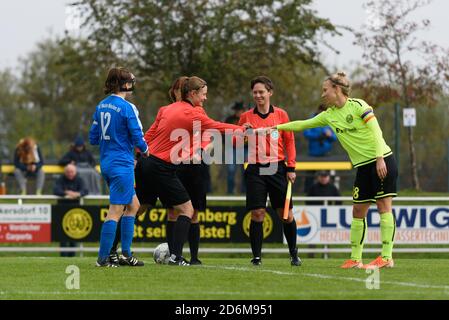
x,y
121,186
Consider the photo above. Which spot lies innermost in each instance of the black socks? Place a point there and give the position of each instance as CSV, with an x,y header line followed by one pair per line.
x,y
181,232
256,236
194,240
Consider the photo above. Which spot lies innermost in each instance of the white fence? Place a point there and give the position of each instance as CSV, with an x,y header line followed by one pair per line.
x,y
415,200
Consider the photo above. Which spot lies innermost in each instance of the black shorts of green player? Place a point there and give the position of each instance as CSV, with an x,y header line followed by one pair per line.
x,y
258,187
368,187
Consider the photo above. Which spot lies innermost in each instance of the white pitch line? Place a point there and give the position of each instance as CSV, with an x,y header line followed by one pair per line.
x,y
324,276
194,294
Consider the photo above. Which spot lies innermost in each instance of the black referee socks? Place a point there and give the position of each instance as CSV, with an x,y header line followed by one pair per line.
x,y
290,235
170,234
256,236
181,232
194,240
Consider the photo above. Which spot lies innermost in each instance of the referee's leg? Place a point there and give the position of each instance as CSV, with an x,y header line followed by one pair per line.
x,y
290,232
171,221
194,238
256,234
182,227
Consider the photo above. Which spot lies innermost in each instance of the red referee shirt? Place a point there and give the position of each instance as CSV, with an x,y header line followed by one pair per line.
x,y
165,143
281,141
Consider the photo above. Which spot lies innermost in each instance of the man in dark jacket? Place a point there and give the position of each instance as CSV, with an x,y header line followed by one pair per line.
x,y
78,154
323,188
85,163
71,188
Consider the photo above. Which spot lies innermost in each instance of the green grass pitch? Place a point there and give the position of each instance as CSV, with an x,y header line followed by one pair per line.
x,y
231,278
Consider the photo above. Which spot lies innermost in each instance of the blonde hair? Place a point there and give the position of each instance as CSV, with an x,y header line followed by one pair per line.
x,y
339,79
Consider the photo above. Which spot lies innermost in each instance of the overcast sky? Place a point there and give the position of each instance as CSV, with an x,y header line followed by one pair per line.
x,y
25,22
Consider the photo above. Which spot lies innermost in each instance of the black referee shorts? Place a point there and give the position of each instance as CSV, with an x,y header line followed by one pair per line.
x,y
368,187
156,178
194,178
258,187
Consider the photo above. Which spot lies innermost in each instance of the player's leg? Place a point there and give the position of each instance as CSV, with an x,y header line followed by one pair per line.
x,y
113,255
256,200
194,239
195,179
171,221
387,232
357,235
385,191
277,190
181,232
108,234
256,234
290,233
127,232
362,198
171,191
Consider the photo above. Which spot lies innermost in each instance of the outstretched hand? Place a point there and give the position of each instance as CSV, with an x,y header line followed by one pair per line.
x,y
267,130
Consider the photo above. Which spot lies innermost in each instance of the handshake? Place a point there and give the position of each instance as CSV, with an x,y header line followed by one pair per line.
x,y
263,131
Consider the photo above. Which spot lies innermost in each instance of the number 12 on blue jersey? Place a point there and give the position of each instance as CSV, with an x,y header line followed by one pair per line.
x,y
105,120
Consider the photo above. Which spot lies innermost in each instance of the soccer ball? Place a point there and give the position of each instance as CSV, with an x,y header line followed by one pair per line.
x,y
161,254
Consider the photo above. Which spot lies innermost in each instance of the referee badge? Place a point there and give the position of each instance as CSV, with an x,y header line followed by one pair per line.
x,y
275,134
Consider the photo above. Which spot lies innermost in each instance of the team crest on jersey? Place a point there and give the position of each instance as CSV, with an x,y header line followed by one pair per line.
x,y
349,118
275,134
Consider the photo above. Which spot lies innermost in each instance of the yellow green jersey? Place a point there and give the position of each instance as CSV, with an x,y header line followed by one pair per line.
x,y
356,128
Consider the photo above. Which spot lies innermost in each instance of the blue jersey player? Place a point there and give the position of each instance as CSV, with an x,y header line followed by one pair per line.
x,y
117,129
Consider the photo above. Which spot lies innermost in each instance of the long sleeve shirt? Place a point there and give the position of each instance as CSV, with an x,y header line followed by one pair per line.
x,y
356,128
63,184
272,148
117,129
170,138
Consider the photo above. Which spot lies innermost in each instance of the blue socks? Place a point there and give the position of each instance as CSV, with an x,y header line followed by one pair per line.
x,y
127,231
107,238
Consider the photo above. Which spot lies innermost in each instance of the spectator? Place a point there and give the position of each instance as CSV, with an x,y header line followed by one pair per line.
x,y
320,144
78,154
71,187
28,163
85,163
231,168
323,188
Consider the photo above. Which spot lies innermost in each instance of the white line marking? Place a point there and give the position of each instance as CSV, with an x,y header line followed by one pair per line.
x,y
196,295
324,276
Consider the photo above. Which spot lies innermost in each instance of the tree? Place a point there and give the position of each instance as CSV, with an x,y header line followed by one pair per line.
x,y
61,83
389,40
225,42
